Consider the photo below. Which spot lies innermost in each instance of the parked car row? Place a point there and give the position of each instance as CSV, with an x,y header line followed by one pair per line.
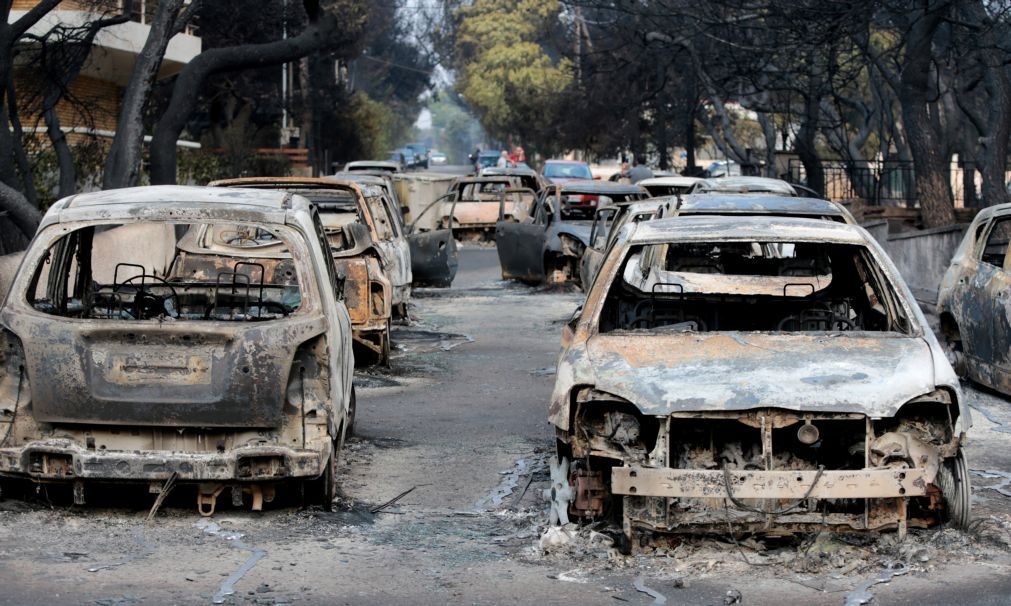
x,y
205,335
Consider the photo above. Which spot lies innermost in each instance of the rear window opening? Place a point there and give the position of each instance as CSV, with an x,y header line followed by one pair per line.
x,y
751,286
171,272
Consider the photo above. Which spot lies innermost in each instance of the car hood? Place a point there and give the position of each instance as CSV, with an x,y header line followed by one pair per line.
x,y
577,229
867,373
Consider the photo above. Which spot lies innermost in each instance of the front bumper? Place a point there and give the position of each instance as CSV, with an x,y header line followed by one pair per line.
x,y
64,460
696,483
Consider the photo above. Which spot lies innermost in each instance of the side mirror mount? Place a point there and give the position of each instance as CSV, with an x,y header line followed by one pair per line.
x,y
569,330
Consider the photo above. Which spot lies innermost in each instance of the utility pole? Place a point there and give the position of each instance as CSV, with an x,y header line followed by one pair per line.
x,y
284,78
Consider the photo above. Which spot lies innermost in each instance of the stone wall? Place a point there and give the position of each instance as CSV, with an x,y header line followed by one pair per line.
x,y
921,256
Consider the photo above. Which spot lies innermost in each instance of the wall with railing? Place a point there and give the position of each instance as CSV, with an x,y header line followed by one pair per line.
x,y
884,183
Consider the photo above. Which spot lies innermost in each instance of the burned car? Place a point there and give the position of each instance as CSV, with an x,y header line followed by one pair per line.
x,y
524,177
475,201
159,335
609,220
374,167
669,186
352,231
548,244
744,185
383,181
972,301
386,231
765,374
607,224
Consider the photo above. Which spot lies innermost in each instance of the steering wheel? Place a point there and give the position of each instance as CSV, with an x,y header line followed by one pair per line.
x,y
144,302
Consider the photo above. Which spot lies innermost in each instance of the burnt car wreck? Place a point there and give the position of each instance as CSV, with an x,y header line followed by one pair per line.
x,y
973,301
176,334
759,374
547,245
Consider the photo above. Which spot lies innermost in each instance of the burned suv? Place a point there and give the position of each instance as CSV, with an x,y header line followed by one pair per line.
x,y
766,374
160,335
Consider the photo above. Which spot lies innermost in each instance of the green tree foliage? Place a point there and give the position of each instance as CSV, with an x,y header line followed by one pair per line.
x,y
507,72
455,130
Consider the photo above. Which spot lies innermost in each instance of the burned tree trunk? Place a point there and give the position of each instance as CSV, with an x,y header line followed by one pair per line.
x,y
122,168
325,30
930,166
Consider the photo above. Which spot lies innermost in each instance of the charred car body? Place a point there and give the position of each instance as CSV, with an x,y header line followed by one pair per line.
x,y
157,334
352,232
525,177
607,224
973,301
770,374
472,205
547,245
609,220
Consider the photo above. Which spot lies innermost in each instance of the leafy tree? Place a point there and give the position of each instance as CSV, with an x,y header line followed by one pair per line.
x,y
508,72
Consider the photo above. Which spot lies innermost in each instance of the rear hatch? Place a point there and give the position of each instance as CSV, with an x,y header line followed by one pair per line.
x,y
206,374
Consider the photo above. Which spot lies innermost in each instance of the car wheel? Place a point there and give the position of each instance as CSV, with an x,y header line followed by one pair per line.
x,y
322,491
350,420
956,490
385,356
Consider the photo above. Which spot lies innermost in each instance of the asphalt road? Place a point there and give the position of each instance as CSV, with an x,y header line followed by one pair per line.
x,y
459,425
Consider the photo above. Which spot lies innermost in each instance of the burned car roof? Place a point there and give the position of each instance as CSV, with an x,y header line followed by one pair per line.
x,y
360,177
745,203
752,228
162,194
676,180
493,171
303,182
599,187
744,185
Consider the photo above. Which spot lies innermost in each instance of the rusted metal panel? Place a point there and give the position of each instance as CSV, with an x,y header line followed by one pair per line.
x,y
747,484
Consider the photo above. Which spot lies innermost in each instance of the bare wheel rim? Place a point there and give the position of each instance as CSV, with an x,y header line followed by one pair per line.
x,y
953,480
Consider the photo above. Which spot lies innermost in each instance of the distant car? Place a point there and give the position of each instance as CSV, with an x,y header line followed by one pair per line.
x,y
722,168
397,157
420,152
548,246
755,374
488,158
562,171
178,334
410,158
669,186
744,185
376,167
973,301
437,159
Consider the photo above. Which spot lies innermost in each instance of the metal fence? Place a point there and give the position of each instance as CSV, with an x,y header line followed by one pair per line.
x,y
877,183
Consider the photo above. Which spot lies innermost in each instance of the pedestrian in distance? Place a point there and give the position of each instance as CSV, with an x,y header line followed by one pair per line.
x,y
639,171
503,160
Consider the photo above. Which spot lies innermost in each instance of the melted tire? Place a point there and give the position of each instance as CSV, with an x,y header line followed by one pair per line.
x,y
956,489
